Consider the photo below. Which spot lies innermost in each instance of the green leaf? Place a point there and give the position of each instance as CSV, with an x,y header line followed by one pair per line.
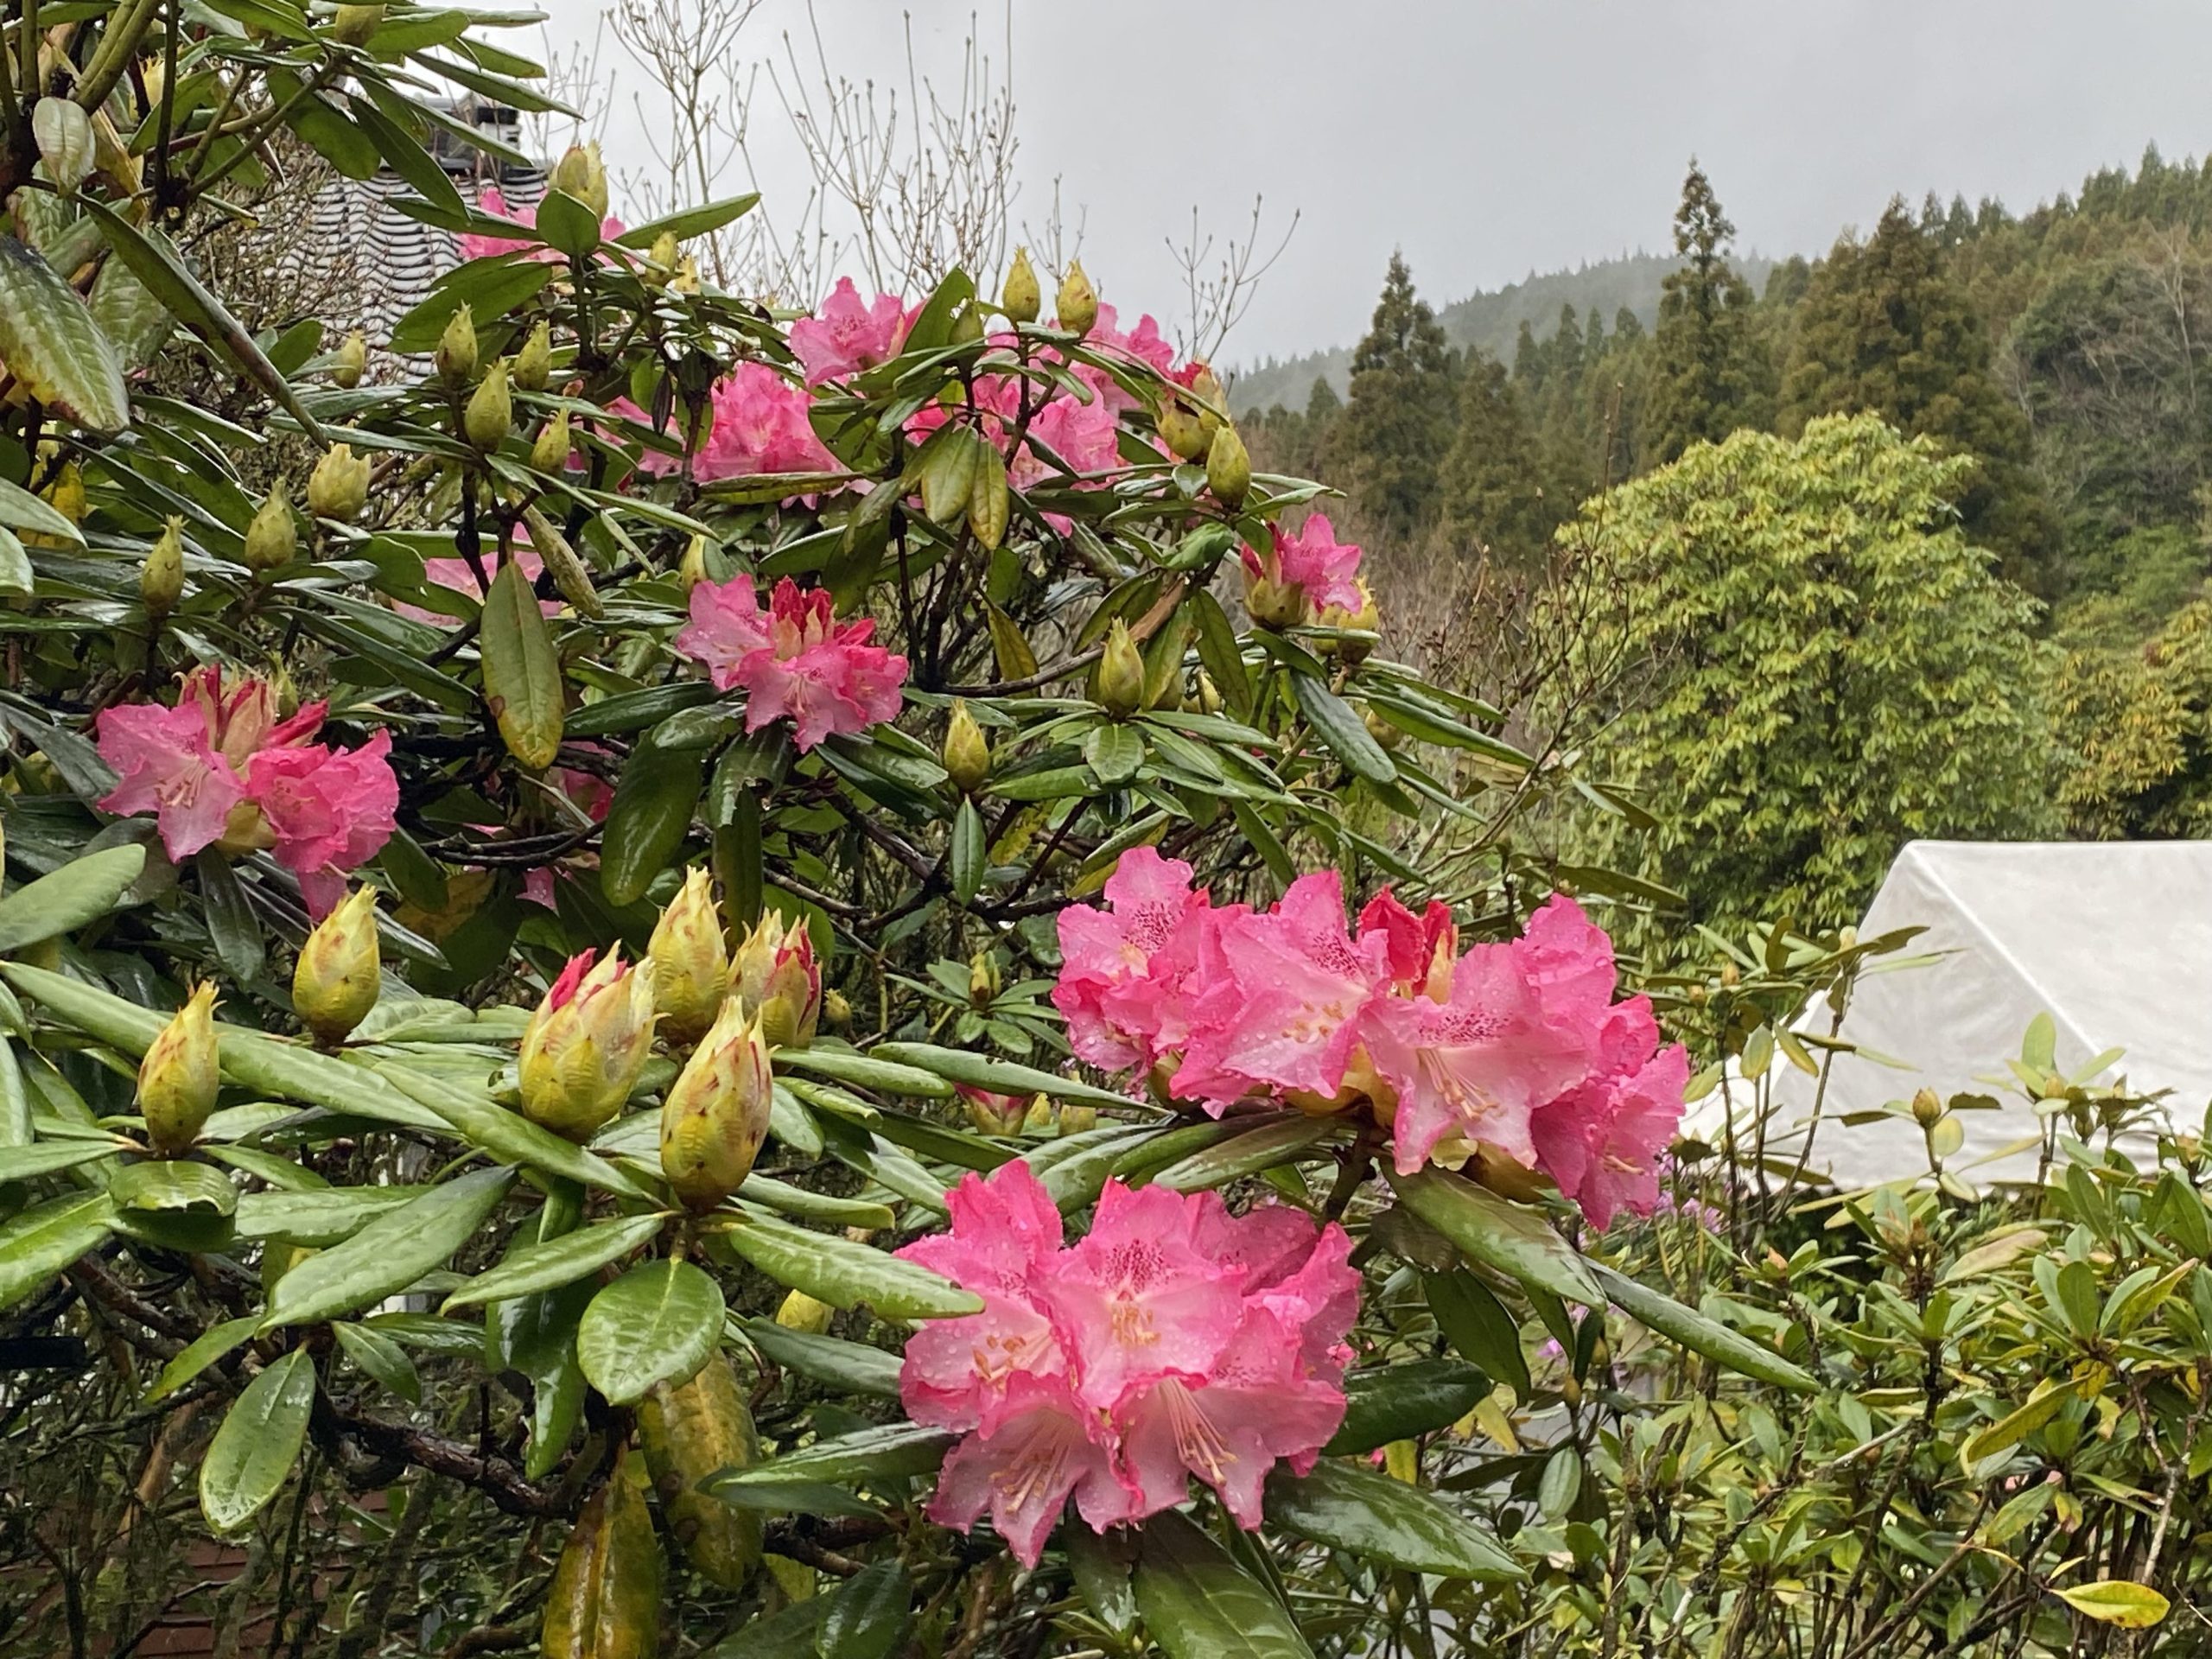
x,y
2116,1601
1220,655
688,222
893,1452
966,853
490,288
43,1240
381,1359
322,1217
253,1451
21,1163
509,1136
852,1367
80,891
647,823
199,1353
232,925
553,1262
1562,1483
567,226
1246,1154
1198,1603
1115,753
864,1071
1992,1439
1401,1401
63,133
171,1184
52,345
1708,1337
522,672
1476,1323
1344,733
390,1253
1375,1516
1509,1237
869,1614
845,1273
659,1323
20,510
1000,1077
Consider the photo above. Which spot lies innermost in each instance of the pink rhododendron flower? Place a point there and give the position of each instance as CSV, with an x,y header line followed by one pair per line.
x,y
1175,1340
1602,1139
1310,560
221,767
1121,987
760,425
476,244
846,336
1516,1046
794,660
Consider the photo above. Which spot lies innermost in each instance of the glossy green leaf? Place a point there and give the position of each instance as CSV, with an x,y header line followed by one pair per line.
x,y
1198,1603
890,1452
555,1261
81,891
1376,1516
869,1615
52,345
509,1136
1337,725
381,1359
1002,1077
1405,1400
253,1451
390,1253
155,1183
1476,1324
200,1353
523,687
1497,1233
659,1323
845,1273
645,825
1701,1335
688,222
319,1216
40,1242
1246,1153
852,1367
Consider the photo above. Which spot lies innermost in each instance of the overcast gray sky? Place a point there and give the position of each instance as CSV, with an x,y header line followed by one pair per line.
x,y
1487,138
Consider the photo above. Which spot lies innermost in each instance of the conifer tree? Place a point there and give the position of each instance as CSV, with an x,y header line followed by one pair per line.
x,y
1492,497
1884,328
1711,374
1399,424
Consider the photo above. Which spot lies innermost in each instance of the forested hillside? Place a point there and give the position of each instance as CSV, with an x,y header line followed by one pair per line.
x,y
2060,354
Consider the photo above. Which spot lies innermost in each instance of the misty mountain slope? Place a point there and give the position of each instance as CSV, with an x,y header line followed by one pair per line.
x,y
1492,320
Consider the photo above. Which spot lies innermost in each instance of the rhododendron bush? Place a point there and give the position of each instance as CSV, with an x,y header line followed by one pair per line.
x,y
676,969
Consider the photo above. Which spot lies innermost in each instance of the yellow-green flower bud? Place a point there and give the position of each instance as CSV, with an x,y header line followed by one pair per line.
x,y
1206,391
534,363
992,1113
353,361
556,442
776,976
1077,301
691,570
800,1311
1228,468
1364,619
581,173
715,1113
272,540
178,1078
686,280
586,1044
1120,674
1020,297
1076,1117
966,751
336,981
660,261
836,1011
1041,1118
356,25
690,960
1384,734
455,358
338,486
1181,430
161,579
490,412
984,980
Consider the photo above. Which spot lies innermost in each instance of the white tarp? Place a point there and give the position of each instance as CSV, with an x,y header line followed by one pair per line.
x,y
2113,939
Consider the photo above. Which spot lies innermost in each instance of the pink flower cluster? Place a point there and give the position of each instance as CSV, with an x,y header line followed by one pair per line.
x,y
847,336
475,244
1519,1047
759,424
1175,1340
222,767
795,660
1311,560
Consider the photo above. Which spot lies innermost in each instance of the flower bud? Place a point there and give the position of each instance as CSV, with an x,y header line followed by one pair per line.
x,y
966,751
777,977
800,1311
490,412
581,173
1120,674
338,486
586,1044
272,540
836,1011
356,25
178,1078
353,361
1041,1118
690,960
1927,1108
556,442
715,1113
455,358
984,980
161,579
1386,736
534,363
1076,304
1228,468
660,261
336,981
1181,430
1364,619
1209,699
1206,388
1076,1117
691,570
992,1113
686,280
1020,297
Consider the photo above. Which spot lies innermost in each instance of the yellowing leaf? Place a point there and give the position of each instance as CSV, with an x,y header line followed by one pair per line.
x,y
2116,1601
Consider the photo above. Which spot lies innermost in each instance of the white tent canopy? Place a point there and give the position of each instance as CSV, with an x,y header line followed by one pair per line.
x,y
2113,939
